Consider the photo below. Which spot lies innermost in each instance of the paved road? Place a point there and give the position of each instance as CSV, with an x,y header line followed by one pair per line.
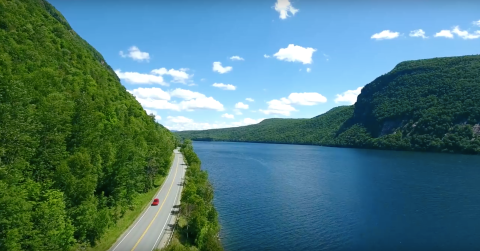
x,y
147,231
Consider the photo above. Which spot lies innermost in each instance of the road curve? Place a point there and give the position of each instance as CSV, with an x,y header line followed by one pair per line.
x,y
147,231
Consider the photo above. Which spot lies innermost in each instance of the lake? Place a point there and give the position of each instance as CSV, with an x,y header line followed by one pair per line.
x,y
294,197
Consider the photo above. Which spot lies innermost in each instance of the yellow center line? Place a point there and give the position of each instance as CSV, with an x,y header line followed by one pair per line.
x,y
173,181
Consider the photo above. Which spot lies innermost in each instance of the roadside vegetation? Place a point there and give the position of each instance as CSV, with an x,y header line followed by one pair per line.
x,y
77,151
141,202
197,224
421,105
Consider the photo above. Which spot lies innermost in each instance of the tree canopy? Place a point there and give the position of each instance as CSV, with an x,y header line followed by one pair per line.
x,y
75,147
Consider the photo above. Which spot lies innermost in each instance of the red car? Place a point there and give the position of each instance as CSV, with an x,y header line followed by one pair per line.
x,y
155,202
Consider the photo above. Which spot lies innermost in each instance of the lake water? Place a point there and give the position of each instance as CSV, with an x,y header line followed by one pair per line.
x,y
291,197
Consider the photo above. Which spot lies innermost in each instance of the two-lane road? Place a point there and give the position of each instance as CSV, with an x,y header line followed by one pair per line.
x,y
147,231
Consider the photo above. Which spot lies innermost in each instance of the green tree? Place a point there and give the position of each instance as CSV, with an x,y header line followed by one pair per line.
x,y
75,147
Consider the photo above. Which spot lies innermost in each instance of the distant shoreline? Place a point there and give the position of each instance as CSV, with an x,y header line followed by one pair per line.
x,y
334,146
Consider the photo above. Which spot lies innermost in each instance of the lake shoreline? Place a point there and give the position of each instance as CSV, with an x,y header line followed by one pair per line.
x,y
339,146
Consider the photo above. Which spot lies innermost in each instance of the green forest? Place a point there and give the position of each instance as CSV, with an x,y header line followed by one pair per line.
x,y
197,223
422,105
76,148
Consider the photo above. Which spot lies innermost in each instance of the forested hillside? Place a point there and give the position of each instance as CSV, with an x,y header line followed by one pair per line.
x,y
75,147
421,105
320,130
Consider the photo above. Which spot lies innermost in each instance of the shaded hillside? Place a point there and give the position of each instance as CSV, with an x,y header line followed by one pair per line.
x,y
75,147
424,105
427,105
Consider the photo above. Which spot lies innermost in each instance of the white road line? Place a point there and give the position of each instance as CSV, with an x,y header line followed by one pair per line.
x,y
145,210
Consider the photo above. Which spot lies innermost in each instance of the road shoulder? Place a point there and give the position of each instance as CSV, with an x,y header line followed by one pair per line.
x,y
168,234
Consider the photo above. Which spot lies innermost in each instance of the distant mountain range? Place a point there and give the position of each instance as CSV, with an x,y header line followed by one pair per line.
x,y
421,105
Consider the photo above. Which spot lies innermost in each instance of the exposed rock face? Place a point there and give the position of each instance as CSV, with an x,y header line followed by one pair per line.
x,y
390,126
476,129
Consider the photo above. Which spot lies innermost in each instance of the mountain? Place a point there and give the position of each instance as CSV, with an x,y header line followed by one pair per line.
x,y
318,130
421,105
76,149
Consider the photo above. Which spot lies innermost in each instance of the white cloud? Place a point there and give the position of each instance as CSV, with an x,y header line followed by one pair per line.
x,y
249,121
309,70
186,94
444,33
245,121
280,107
179,119
266,56
135,54
217,66
295,53
158,104
460,33
306,98
140,78
477,23
157,117
249,99
179,76
283,7
418,33
349,96
228,116
233,58
189,124
386,34
203,79
155,76
201,104
237,112
284,106
150,93
155,98
241,105
227,87
465,34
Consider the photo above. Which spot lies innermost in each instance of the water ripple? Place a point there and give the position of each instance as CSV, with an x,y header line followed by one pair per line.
x,y
285,197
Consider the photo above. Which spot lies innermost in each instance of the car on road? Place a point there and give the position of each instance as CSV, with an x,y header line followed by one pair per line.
x,y
155,202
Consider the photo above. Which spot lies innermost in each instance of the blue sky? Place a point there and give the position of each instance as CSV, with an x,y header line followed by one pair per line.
x,y
298,58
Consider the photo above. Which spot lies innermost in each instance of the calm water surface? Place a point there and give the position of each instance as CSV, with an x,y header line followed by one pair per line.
x,y
288,197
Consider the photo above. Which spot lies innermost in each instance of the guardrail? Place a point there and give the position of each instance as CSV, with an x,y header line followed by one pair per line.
x,y
178,215
173,231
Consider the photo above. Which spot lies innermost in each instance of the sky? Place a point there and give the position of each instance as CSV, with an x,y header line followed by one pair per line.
x,y
222,63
